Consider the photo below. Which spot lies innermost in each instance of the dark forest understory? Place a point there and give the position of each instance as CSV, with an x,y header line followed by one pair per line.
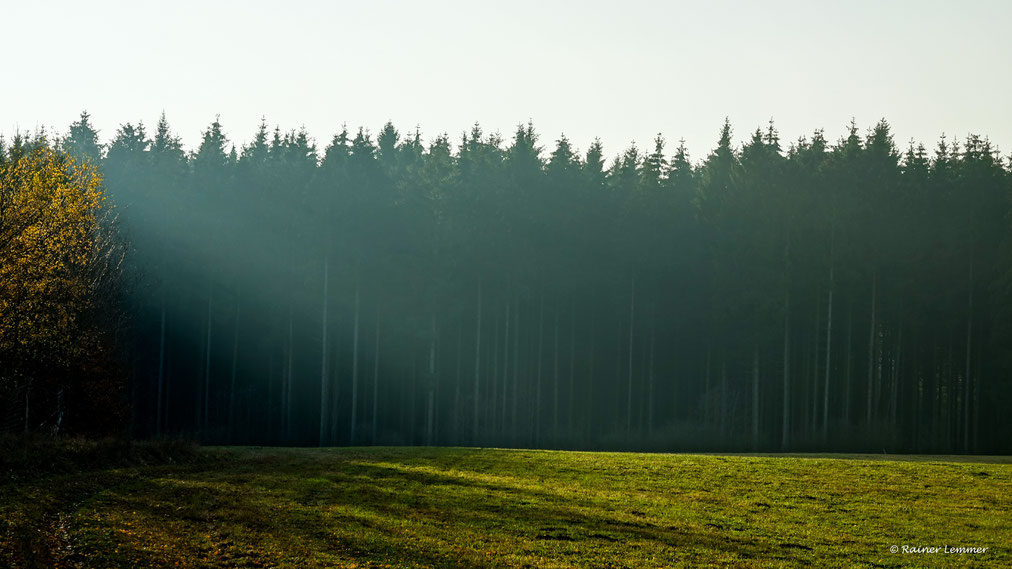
x,y
844,296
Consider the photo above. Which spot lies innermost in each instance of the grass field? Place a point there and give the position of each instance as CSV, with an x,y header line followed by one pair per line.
x,y
422,507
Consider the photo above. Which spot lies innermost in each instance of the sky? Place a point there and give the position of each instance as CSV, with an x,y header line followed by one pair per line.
x,y
621,71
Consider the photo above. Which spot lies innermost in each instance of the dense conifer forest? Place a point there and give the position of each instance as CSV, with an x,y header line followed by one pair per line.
x,y
385,288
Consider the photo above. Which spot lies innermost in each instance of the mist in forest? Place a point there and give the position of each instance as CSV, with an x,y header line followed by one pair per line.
x,y
384,288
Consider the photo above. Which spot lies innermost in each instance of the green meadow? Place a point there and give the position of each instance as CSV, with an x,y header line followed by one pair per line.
x,y
464,507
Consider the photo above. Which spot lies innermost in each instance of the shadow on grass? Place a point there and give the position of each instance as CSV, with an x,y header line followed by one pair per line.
x,y
490,508
386,513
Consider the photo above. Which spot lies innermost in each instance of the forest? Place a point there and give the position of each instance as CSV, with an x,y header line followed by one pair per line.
x,y
388,289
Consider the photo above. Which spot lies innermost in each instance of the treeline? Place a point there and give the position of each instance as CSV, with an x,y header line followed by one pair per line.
x,y
60,295
843,295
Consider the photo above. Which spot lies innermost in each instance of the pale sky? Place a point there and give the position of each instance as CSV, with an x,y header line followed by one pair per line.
x,y
621,70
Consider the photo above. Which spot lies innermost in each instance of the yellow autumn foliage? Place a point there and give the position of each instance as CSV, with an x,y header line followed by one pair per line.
x,y
49,208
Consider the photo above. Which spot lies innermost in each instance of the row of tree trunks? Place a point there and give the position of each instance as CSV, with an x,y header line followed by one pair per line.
x,y
511,374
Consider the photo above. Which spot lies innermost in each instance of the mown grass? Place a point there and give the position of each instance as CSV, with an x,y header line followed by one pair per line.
x,y
421,507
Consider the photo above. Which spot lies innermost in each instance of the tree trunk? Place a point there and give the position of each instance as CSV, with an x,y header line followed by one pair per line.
x,y
429,418
871,350
850,360
650,372
514,426
269,408
813,422
919,405
59,411
620,365
289,377
950,397
493,388
707,416
375,380
674,373
591,375
723,395
413,414
894,388
28,390
541,347
354,359
976,403
334,379
235,363
324,383
505,370
477,371
168,393
572,368
430,387
755,396
632,326
457,410
829,361
161,367
966,375
207,359
934,391
785,427
555,378
879,360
